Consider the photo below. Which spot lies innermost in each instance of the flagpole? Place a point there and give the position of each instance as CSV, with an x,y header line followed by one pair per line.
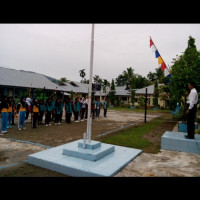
x,y
159,54
89,121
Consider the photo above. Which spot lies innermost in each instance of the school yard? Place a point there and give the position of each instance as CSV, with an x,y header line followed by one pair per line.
x,y
16,145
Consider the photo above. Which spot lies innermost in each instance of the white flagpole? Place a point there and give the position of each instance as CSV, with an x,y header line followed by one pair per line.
x,y
89,121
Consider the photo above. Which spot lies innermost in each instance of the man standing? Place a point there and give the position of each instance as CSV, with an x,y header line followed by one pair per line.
x,y
191,111
105,107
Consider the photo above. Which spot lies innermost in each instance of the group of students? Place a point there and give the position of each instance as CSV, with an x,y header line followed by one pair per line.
x,y
52,110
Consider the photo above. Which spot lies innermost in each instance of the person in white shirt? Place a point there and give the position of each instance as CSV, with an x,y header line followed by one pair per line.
x,y
191,111
28,101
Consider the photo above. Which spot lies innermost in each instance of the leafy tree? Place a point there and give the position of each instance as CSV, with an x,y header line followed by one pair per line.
x,y
185,68
132,90
72,95
105,83
82,73
157,76
85,81
141,101
126,75
112,93
97,79
62,81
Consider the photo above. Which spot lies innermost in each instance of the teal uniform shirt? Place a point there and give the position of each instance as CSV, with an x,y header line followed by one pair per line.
x,y
105,105
77,107
68,107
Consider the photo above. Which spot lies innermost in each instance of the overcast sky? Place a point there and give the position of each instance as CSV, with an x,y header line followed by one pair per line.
x,y
61,50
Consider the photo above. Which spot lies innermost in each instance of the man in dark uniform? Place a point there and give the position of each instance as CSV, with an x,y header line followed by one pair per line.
x,y
191,111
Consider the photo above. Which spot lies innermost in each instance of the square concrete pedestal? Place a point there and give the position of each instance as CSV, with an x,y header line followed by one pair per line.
x,y
97,159
176,141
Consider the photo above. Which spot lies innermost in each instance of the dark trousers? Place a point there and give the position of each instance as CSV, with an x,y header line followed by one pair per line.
x,y
86,113
97,112
13,118
76,115
27,114
191,120
82,112
105,112
34,119
57,118
68,117
48,117
40,117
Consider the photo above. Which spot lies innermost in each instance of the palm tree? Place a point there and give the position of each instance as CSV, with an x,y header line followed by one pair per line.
x,y
82,73
105,84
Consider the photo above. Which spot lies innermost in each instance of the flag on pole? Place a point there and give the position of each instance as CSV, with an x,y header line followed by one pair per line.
x,y
160,60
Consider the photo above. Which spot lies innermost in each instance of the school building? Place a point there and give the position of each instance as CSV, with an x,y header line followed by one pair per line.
x,y
16,82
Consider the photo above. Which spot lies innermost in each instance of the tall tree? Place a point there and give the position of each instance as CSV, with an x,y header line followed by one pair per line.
x,y
185,68
132,87
105,83
125,77
97,79
112,93
82,73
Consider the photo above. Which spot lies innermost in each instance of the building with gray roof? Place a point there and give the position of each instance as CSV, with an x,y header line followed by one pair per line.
x,y
13,82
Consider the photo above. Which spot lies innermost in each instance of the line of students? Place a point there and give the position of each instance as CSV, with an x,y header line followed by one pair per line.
x,y
53,111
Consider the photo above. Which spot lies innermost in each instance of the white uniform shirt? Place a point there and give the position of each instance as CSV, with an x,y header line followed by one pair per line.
x,y
193,98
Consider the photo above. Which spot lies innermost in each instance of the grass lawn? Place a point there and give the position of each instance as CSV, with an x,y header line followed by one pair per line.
x,y
134,137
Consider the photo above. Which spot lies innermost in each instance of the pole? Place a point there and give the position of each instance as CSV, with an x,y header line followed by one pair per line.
x,y
89,121
145,111
160,55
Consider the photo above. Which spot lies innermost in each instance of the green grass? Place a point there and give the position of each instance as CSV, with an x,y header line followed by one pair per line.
x,y
134,137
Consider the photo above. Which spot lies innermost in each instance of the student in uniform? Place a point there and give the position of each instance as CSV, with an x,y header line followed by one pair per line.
x,y
34,112
105,107
21,109
62,106
9,113
41,111
4,114
28,110
98,107
82,105
13,110
48,111
68,111
86,109
57,109
93,109
76,109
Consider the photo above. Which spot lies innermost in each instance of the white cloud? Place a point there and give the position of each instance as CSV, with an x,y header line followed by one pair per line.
x,y
61,50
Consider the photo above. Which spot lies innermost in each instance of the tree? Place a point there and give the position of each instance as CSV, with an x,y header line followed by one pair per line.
x,y
125,77
82,73
97,79
105,83
112,93
185,68
157,76
85,81
62,81
132,90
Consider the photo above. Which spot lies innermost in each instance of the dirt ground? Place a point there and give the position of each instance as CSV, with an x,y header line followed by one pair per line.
x,y
13,153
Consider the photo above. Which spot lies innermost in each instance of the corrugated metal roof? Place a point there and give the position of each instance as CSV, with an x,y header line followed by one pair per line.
x,y
150,90
20,78
120,91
